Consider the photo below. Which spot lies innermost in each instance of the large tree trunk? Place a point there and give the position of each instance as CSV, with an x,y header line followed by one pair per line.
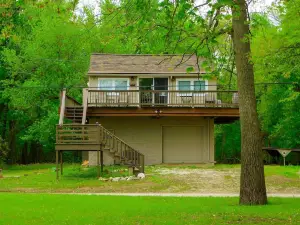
x,y
252,188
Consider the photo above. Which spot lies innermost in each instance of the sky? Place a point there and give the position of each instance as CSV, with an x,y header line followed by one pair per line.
x,y
258,6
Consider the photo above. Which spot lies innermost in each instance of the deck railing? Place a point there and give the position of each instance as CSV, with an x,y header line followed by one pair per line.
x,y
76,134
169,98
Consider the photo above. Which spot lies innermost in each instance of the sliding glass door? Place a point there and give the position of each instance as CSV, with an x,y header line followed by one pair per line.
x,y
161,94
145,86
153,91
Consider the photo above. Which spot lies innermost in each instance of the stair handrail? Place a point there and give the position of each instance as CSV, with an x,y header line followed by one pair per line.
x,y
141,156
114,136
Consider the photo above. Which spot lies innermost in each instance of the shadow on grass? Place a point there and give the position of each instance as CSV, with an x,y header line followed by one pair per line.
x,y
91,172
36,166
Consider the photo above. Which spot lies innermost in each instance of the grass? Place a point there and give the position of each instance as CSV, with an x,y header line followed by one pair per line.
x,y
41,178
31,209
285,171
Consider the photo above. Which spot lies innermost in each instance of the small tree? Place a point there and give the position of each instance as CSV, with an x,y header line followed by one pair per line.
x,y
3,152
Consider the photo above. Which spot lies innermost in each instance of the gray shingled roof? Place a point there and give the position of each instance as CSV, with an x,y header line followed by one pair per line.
x,y
142,64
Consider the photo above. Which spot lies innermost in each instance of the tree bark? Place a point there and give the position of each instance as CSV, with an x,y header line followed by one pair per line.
x,y
252,187
4,111
12,155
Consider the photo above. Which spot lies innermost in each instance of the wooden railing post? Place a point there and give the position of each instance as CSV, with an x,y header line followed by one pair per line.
x,y
85,104
62,106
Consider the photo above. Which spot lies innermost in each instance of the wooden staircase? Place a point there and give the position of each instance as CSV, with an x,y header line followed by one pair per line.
x,y
78,136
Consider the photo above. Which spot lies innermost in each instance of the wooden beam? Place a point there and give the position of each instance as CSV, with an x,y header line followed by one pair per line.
x,y
77,147
101,160
61,162
57,165
62,106
142,164
98,164
166,111
85,104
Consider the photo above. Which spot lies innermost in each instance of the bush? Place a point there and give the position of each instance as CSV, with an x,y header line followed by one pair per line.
x,y
3,152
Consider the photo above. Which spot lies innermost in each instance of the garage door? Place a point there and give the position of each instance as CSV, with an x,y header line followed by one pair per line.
x,y
184,144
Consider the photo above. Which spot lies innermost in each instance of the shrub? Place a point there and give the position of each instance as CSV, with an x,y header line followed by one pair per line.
x,y
3,151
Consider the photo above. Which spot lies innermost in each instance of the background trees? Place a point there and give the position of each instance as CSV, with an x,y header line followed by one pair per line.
x,y
46,46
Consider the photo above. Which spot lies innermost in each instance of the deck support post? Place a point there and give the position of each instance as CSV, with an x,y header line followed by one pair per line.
x,y
101,160
98,163
61,162
142,164
57,165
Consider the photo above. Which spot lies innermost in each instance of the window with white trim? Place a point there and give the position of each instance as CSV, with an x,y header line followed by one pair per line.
x,y
190,85
184,85
113,84
199,85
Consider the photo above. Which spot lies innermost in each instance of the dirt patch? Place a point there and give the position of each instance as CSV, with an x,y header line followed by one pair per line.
x,y
281,184
202,180
160,179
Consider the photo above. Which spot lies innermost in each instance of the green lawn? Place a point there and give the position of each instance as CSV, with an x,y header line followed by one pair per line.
x,y
42,178
41,209
201,179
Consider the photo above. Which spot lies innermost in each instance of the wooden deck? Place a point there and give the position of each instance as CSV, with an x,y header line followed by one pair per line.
x,y
162,98
222,105
94,137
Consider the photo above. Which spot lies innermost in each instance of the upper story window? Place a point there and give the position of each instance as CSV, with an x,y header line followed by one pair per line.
x,y
113,84
191,85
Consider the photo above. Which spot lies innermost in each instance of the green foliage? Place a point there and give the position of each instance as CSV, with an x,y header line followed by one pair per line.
x,y
46,45
3,152
45,51
276,59
78,209
275,55
228,143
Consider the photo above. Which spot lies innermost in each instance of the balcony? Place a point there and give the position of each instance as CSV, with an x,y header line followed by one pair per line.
x,y
163,98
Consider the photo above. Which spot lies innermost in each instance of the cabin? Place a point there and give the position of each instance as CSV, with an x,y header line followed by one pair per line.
x,y
146,109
